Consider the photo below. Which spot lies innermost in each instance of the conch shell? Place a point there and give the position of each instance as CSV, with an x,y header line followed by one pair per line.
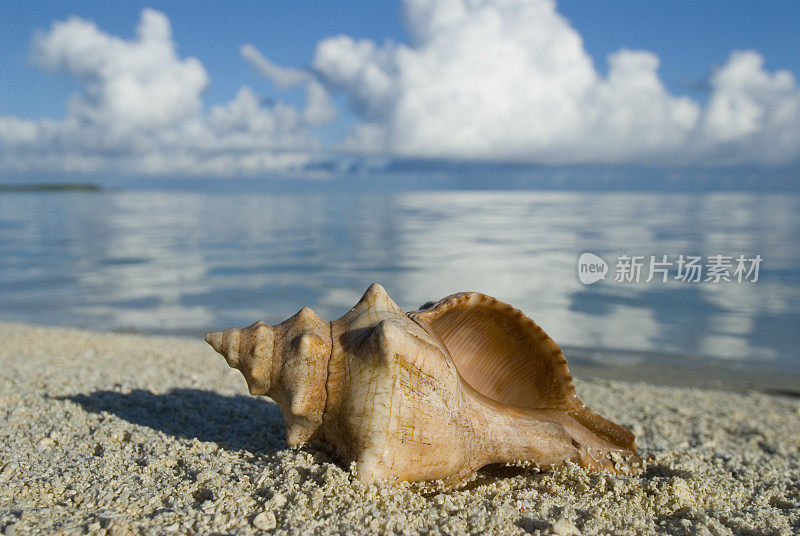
x,y
431,395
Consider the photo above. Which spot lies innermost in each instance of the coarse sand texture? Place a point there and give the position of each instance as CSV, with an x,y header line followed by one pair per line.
x,y
126,434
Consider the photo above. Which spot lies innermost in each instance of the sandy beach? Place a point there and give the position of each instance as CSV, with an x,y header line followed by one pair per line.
x,y
128,434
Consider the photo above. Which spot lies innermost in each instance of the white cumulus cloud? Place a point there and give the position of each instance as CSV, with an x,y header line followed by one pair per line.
x,y
131,85
140,111
511,80
752,112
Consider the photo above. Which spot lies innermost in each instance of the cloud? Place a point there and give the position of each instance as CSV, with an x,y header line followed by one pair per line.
x,y
282,76
752,113
511,80
319,107
140,111
481,80
127,85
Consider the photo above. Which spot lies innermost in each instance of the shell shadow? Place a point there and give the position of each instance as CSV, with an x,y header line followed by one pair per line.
x,y
233,422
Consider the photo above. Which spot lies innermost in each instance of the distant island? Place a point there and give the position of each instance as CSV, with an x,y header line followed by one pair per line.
x,y
51,187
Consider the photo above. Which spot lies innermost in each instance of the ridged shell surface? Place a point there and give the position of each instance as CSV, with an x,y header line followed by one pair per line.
x,y
429,395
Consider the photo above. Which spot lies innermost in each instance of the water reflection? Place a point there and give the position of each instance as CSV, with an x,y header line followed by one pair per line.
x,y
186,262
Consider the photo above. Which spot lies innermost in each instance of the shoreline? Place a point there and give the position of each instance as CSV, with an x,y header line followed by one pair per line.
x,y
134,434
585,363
675,370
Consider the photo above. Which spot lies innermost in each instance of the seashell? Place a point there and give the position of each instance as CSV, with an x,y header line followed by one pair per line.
x,y
434,394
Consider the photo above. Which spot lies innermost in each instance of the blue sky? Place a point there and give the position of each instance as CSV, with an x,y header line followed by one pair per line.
x,y
464,83
212,31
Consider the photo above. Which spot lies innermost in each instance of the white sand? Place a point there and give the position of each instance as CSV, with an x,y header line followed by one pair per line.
x,y
128,434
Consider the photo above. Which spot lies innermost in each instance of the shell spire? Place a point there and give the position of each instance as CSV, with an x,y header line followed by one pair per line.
x,y
287,362
250,350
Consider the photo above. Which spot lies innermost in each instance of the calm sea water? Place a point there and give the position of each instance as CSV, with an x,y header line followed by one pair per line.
x,y
183,262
